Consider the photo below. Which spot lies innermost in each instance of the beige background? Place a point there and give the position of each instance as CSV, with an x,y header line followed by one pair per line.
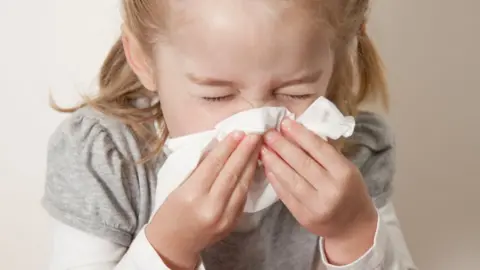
x,y
431,48
431,51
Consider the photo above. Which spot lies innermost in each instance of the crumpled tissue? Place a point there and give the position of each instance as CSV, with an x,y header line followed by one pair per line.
x,y
184,153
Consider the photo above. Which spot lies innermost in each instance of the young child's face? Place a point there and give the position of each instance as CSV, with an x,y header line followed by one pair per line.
x,y
224,57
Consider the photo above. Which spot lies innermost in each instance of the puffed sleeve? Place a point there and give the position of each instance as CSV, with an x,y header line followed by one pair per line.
x,y
93,182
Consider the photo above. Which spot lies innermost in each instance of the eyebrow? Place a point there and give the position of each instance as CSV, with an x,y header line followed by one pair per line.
x,y
208,81
303,79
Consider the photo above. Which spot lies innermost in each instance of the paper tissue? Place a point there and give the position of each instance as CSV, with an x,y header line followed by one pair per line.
x,y
184,153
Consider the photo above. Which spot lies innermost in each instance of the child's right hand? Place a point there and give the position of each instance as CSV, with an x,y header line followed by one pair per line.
x,y
205,208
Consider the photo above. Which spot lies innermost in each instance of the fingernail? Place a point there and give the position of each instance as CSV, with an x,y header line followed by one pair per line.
x,y
287,124
270,136
238,135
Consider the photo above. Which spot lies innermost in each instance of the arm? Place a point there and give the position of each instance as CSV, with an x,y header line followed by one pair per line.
x,y
77,250
95,185
389,251
374,155
98,196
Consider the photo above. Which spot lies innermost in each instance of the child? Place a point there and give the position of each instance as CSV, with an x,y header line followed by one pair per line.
x,y
180,68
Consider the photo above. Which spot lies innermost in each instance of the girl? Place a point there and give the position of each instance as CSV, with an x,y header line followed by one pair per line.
x,y
181,67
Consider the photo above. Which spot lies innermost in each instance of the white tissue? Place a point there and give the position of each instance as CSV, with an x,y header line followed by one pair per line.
x,y
184,153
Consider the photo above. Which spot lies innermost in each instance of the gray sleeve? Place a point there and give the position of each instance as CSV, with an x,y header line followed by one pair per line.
x,y
373,153
89,181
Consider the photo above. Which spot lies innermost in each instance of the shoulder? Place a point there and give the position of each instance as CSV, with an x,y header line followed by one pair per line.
x,y
372,150
373,131
93,182
86,125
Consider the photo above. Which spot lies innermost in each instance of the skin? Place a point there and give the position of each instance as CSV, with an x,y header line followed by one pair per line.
x,y
223,57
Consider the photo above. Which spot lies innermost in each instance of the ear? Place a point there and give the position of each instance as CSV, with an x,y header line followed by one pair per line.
x,y
138,60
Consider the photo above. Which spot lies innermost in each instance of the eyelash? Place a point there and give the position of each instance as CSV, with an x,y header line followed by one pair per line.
x,y
217,99
225,98
305,96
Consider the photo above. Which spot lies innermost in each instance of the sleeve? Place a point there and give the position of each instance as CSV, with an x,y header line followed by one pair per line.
x,y
373,153
389,250
88,183
75,249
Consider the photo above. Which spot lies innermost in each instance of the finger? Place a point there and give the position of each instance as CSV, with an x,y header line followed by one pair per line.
x,y
319,149
298,210
212,164
291,181
294,156
231,173
237,200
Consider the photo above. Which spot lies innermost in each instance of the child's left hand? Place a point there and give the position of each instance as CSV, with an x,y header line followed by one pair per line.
x,y
322,189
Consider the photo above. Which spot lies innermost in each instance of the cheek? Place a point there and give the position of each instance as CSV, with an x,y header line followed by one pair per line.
x,y
181,111
183,115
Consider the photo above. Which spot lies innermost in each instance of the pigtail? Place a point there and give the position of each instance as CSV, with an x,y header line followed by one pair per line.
x,y
123,96
372,82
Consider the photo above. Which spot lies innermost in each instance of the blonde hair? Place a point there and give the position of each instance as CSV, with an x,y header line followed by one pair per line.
x,y
120,89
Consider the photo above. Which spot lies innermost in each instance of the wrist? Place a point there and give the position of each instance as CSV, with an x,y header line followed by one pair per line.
x,y
353,242
173,254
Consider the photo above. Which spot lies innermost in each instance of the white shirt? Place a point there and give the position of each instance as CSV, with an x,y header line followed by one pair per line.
x,y
77,250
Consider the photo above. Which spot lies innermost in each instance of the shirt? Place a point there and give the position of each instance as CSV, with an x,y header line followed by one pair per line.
x,y
102,199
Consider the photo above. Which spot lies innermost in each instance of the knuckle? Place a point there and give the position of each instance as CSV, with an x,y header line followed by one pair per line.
x,y
322,216
232,176
342,186
208,216
328,212
354,170
223,226
299,186
189,198
217,162
306,163
243,185
348,171
332,196
343,174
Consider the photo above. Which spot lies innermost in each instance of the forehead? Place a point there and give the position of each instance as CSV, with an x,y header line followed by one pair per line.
x,y
262,32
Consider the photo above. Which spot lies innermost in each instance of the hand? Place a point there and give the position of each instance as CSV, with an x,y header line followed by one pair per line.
x,y
322,189
205,208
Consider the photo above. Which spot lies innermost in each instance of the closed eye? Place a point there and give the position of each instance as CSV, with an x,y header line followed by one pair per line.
x,y
305,96
218,99
230,97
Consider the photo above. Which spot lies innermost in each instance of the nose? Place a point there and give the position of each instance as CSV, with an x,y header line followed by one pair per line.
x,y
252,102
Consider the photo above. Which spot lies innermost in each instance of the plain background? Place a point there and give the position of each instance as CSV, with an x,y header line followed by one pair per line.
x,y
431,51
